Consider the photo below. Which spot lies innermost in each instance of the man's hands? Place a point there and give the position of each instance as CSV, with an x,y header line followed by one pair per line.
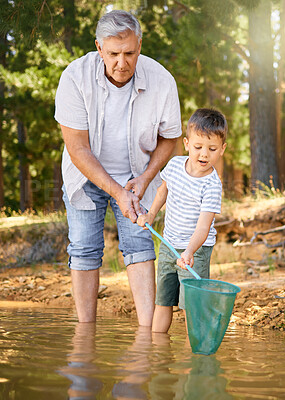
x,y
129,204
137,186
129,198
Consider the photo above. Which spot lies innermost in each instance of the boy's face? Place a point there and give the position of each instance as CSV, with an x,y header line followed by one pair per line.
x,y
204,153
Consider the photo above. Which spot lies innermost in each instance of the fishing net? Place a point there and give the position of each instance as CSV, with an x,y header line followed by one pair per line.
x,y
208,305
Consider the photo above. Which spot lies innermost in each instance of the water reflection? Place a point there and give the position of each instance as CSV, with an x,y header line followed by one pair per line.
x,y
49,355
205,381
195,377
133,368
136,367
146,369
81,369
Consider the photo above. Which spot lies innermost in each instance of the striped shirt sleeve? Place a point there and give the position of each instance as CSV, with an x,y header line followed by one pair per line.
x,y
212,198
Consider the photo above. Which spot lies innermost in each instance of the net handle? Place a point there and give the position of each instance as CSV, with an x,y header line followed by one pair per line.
x,y
172,249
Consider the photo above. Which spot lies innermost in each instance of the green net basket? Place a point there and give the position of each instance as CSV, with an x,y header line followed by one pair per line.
x,y
208,305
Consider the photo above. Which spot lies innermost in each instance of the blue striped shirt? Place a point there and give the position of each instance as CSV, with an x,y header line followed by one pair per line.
x,y
187,197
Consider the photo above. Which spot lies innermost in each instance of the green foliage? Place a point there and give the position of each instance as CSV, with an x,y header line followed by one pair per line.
x,y
31,101
158,28
27,20
207,70
249,4
41,38
197,41
238,143
205,67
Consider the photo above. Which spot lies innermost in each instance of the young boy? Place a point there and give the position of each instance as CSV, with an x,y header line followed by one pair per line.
x,y
192,191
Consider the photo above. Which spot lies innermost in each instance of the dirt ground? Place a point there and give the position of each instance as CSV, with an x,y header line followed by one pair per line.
x,y
258,270
261,301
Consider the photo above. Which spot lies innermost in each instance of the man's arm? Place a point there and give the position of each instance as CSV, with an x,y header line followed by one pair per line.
x,y
78,147
158,159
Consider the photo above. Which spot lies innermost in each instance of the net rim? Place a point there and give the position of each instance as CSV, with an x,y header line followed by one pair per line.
x,y
237,289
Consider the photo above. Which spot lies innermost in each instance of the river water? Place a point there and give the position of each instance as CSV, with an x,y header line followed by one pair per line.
x,y
46,354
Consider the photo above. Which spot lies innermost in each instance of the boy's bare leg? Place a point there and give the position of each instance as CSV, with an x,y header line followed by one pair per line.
x,y
162,319
142,283
187,343
85,285
184,312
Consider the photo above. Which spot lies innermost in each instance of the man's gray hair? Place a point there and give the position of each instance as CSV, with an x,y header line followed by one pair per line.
x,y
116,22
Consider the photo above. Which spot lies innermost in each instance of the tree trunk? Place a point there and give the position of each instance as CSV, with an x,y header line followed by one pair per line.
x,y
57,184
262,97
69,18
280,96
26,197
3,49
233,181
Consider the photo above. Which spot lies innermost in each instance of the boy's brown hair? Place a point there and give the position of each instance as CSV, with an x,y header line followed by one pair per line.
x,y
208,121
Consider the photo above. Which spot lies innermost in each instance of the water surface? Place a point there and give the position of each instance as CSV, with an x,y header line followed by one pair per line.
x,y
47,354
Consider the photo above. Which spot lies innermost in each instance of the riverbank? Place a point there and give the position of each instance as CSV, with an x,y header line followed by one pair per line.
x,y
249,253
261,301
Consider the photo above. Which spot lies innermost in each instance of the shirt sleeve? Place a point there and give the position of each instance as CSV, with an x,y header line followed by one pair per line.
x,y
170,123
212,198
70,109
164,174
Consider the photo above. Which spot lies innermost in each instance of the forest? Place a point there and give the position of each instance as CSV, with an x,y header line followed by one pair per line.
x,y
228,55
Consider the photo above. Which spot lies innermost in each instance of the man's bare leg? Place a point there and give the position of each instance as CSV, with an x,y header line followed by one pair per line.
x,y
142,283
162,319
85,285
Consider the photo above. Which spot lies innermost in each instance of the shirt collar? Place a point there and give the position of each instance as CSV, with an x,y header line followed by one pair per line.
x,y
100,74
140,80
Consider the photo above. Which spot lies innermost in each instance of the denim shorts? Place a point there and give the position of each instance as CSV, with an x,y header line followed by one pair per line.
x,y
86,233
170,291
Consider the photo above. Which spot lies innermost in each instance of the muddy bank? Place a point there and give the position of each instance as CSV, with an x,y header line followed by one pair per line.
x,y
261,301
33,269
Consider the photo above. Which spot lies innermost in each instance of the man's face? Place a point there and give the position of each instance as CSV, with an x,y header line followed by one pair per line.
x,y
120,55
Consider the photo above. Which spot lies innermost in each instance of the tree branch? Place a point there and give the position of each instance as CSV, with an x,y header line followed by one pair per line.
x,y
237,46
184,6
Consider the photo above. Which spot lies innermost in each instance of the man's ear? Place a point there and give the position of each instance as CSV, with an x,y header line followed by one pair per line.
x,y
140,46
99,48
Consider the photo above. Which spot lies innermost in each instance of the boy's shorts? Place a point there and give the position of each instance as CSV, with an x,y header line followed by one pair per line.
x,y
86,233
170,291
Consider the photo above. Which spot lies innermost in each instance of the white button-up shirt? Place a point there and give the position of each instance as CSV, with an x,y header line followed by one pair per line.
x,y
153,110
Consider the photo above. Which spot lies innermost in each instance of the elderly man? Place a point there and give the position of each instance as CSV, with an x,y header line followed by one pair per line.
x,y
120,118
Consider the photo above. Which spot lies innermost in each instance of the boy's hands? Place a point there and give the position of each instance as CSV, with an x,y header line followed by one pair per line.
x,y
187,258
143,218
197,239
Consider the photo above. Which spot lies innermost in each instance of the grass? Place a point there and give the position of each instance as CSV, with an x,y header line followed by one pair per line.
x,y
114,264
271,264
32,238
13,219
263,191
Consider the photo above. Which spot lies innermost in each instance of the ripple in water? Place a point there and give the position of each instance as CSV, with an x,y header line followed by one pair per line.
x,y
46,354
